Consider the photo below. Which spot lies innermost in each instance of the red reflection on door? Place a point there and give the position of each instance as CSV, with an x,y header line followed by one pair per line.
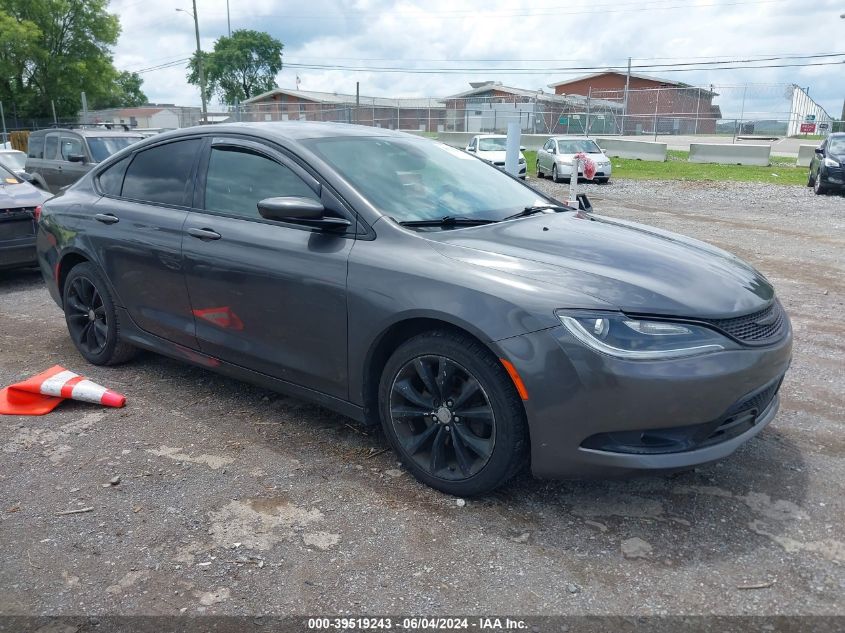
x,y
221,317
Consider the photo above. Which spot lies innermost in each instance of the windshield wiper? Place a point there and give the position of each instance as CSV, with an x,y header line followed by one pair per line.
x,y
539,208
448,220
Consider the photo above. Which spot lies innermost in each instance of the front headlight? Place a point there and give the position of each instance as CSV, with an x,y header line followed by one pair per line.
x,y
621,336
829,162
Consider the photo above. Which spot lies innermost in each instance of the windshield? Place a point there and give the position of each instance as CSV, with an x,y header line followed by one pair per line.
x,y
417,179
569,146
15,161
103,147
492,144
7,177
836,145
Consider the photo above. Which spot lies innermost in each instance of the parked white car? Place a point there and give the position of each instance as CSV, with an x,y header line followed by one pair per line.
x,y
492,148
13,160
555,158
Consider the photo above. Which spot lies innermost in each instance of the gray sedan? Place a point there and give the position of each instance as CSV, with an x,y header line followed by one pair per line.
x,y
408,284
555,159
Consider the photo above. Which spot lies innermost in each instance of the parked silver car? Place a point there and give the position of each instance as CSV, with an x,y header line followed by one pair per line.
x,y
493,148
555,158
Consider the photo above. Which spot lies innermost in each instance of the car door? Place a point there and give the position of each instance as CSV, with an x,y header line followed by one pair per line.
x,y
543,157
817,159
136,230
266,295
68,172
48,166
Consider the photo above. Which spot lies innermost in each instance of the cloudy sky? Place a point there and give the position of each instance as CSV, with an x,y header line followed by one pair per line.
x,y
526,44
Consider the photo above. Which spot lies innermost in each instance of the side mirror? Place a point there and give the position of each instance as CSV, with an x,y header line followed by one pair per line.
x,y
299,210
552,150
26,177
470,149
819,151
76,158
522,148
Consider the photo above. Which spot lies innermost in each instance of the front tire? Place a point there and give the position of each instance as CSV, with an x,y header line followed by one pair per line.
x,y
452,414
92,319
555,176
819,188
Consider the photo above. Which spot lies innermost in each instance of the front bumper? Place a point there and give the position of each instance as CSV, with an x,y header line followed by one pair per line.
x,y
565,170
584,407
833,176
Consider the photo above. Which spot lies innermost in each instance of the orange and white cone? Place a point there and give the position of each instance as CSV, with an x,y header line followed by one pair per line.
x,y
43,393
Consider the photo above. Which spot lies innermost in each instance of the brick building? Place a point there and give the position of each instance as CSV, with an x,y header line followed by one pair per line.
x,y
292,105
672,106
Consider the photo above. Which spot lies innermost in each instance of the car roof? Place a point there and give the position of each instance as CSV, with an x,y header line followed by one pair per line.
x,y
291,130
491,136
572,138
98,132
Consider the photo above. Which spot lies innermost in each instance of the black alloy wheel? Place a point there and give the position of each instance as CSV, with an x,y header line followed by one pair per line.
x,y
452,413
442,417
86,316
92,319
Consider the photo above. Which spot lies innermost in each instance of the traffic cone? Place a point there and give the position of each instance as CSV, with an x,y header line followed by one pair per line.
x,y
43,393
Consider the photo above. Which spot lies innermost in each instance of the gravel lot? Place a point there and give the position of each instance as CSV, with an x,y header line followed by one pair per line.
x,y
235,500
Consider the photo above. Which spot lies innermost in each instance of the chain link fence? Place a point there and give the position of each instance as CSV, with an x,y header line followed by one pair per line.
x,y
752,110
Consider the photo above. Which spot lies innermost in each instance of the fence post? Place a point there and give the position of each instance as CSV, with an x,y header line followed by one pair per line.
x,y
587,125
3,116
656,105
697,108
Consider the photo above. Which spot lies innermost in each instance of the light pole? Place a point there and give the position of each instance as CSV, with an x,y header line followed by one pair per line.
x,y
199,60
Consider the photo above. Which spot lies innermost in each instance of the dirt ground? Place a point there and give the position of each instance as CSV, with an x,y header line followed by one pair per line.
x,y
235,500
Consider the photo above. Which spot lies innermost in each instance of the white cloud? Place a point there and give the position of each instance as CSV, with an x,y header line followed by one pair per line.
x,y
389,33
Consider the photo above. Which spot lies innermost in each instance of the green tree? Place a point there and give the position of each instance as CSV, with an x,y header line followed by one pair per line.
x,y
67,51
18,43
240,66
126,92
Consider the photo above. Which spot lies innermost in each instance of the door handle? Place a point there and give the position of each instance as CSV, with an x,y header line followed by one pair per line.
x,y
204,234
106,218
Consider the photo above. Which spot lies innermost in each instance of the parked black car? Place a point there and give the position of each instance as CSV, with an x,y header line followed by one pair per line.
x,y
827,167
18,203
57,158
404,282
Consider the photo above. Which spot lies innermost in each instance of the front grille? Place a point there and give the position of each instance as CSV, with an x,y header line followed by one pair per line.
x,y
759,328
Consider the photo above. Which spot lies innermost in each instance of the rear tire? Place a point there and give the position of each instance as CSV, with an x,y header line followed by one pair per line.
x,y
92,319
452,415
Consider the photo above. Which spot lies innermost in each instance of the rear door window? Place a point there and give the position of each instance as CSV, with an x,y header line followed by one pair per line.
x,y
35,147
51,146
111,180
239,178
162,174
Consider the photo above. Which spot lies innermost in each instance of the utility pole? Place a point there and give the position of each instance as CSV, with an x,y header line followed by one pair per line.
x,y
228,19
199,61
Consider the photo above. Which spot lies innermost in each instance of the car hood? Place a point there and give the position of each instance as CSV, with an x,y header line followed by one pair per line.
x,y
21,195
635,268
495,157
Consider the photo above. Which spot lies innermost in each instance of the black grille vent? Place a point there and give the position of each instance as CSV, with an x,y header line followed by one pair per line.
x,y
759,328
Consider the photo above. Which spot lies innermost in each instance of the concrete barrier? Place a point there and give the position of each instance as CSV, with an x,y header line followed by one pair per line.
x,y
728,154
642,150
805,155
